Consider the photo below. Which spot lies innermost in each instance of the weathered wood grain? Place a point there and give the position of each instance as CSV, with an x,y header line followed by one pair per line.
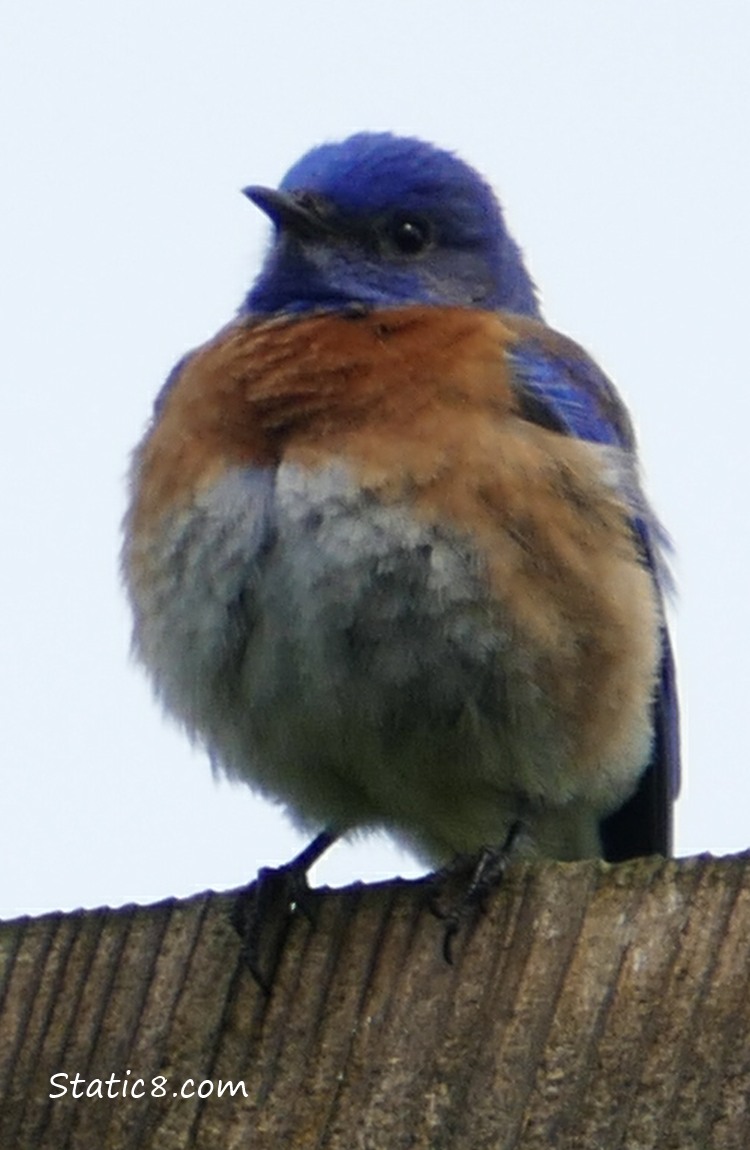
x,y
590,1006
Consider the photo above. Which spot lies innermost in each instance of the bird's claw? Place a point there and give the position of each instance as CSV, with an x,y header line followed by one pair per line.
x,y
262,911
476,876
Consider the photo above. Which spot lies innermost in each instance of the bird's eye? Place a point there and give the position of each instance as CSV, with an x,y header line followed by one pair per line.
x,y
408,235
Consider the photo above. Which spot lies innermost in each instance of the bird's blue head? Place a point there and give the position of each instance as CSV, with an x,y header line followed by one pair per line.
x,y
380,220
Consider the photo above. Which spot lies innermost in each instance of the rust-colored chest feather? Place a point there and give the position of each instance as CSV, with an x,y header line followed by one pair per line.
x,y
388,387
418,404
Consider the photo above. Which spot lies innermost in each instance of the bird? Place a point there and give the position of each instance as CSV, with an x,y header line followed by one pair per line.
x,y
387,547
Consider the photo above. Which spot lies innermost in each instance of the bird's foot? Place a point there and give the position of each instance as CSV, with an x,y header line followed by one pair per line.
x,y
262,911
475,876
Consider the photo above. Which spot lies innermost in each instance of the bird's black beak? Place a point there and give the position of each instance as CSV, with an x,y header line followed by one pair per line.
x,y
297,212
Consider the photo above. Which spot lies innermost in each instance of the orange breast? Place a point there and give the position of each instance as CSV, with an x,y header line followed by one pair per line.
x,y
260,392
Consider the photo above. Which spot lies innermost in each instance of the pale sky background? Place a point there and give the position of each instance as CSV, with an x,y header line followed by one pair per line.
x,y
617,136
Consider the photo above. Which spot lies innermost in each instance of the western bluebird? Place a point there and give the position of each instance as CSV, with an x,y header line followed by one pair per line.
x,y
388,553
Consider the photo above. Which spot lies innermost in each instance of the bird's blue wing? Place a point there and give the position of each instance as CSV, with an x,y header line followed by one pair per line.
x,y
569,389
559,387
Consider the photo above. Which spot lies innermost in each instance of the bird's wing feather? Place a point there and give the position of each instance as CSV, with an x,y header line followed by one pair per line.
x,y
559,387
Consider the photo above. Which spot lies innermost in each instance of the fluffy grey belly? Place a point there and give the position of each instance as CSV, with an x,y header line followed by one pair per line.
x,y
350,662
